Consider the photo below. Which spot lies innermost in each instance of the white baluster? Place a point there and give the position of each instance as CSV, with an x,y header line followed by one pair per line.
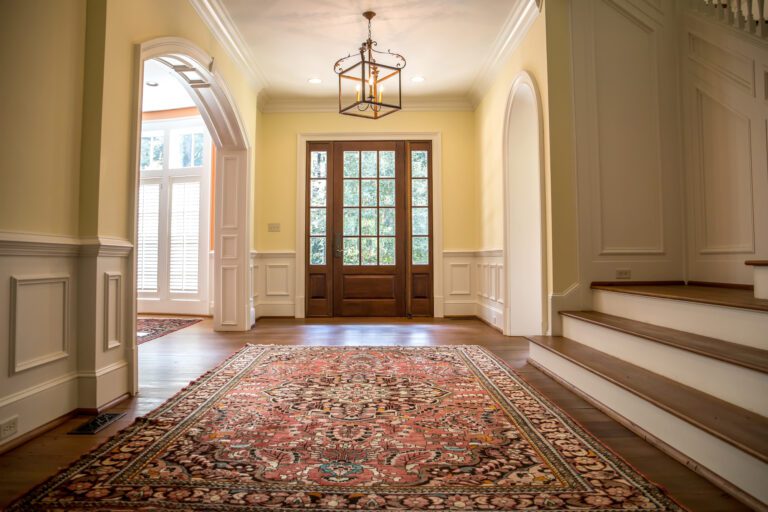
x,y
729,18
762,30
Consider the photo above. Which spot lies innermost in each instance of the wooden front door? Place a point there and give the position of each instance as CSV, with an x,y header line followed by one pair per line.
x,y
365,258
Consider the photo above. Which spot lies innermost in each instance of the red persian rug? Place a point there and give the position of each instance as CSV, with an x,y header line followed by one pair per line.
x,y
148,329
348,428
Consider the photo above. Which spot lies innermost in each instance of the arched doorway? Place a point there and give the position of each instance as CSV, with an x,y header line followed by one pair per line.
x,y
231,223
524,210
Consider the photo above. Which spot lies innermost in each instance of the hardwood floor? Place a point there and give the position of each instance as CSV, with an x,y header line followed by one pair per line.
x,y
169,363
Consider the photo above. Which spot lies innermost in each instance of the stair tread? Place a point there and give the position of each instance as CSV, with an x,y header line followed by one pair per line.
x,y
741,428
734,353
716,295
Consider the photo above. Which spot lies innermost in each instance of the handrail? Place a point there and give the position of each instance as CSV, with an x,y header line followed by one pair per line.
x,y
750,16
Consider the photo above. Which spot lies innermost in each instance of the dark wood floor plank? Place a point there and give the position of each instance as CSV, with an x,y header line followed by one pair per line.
x,y
739,427
168,363
734,353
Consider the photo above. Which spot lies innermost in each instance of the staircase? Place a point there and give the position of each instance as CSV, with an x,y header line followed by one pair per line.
x,y
684,366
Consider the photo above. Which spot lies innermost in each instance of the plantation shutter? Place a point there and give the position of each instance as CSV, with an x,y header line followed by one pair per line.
x,y
184,234
148,235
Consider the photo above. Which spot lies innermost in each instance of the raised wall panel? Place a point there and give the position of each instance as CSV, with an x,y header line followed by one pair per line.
x,y
228,298
112,309
277,279
726,222
459,279
39,321
736,68
629,154
229,246
229,182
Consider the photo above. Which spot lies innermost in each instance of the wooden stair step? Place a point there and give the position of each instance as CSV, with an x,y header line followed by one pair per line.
x,y
715,295
734,425
734,353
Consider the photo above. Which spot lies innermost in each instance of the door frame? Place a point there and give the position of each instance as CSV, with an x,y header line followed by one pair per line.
x,y
437,204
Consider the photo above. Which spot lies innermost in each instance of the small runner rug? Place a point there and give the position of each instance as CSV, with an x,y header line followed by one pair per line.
x,y
350,428
148,329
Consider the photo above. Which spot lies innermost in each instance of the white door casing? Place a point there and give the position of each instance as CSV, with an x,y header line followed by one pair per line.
x,y
232,307
525,251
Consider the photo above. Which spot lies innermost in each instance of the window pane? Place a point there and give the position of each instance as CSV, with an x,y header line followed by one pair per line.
x,y
317,193
351,221
369,192
386,251
420,250
387,221
185,236
351,164
386,192
198,157
186,150
317,221
152,149
317,250
318,164
368,166
420,192
351,192
351,251
386,164
368,222
370,251
420,221
419,164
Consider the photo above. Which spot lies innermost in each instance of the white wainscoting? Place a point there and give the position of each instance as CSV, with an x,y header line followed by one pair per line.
x,y
726,140
474,285
629,157
273,288
65,338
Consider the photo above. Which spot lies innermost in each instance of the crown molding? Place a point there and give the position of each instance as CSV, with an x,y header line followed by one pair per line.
x,y
271,105
216,18
520,19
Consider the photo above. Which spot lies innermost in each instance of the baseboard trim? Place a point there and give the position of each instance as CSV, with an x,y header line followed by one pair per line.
x,y
691,464
95,411
24,438
474,317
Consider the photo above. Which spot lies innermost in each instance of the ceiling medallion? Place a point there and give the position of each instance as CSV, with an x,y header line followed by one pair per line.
x,y
362,83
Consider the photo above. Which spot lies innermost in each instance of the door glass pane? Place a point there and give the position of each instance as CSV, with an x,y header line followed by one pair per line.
x,y
351,251
386,251
317,221
420,250
318,164
351,192
317,193
387,222
386,192
420,192
317,250
369,250
419,164
420,221
386,164
351,164
368,165
351,221
369,192
368,222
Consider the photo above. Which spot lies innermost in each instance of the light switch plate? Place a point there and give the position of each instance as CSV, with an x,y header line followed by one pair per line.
x,y
273,227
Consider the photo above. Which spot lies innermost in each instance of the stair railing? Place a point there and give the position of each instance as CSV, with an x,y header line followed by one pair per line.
x,y
750,16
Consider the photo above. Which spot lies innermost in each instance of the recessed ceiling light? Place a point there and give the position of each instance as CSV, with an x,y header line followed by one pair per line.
x,y
152,84
417,79
314,81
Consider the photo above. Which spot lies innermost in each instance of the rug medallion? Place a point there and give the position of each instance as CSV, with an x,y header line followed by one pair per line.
x,y
352,428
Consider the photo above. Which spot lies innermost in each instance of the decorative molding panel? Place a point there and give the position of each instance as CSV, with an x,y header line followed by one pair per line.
x,y
277,280
459,279
39,320
736,68
113,309
229,277
229,181
725,178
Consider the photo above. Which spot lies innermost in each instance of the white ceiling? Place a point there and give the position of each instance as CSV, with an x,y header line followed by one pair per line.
x,y
169,92
448,42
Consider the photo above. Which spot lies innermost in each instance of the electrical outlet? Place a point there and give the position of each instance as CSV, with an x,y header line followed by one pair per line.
x,y
9,427
623,273
273,227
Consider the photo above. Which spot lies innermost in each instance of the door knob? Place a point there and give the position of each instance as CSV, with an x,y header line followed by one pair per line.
x,y
337,248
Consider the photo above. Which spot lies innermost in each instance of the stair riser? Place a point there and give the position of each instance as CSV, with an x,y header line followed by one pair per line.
x,y
735,384
728,462
743,326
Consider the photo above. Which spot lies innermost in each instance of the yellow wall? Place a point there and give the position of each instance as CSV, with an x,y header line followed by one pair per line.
x,y
544,54
42,46
276,176
128,24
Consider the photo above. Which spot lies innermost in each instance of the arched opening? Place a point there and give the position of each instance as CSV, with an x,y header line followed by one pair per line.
x,y
524,207
195,71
